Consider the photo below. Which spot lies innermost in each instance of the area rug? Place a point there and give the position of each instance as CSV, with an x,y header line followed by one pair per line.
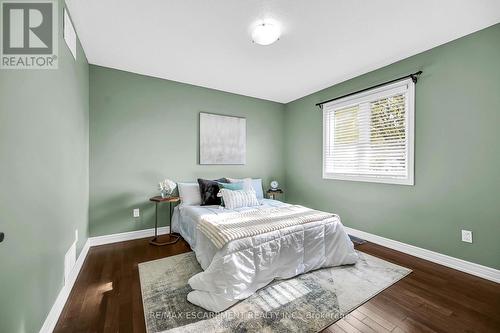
x,y
306,303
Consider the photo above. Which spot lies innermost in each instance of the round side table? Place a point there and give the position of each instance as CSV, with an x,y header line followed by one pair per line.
x,y
172,238
272,194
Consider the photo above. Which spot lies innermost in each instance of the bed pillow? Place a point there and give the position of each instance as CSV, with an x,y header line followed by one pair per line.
x,y
238,199
257,187
249,183
209,190
189,193
232,186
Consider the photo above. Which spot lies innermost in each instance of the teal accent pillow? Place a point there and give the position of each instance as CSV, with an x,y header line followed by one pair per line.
x,y
232,186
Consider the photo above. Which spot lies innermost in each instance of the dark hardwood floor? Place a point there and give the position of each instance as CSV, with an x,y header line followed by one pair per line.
x,y
107,298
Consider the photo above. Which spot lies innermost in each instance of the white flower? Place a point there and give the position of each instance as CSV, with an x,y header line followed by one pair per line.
x,y
167,185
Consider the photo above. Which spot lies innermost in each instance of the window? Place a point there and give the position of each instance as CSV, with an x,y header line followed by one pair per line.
x,y
369,136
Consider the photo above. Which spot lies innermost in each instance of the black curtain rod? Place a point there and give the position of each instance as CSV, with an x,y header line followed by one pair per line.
x,y
414,78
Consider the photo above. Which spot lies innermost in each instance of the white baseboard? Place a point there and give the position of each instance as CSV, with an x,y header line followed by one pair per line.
x,y
57,307
442,259
125,236
53,316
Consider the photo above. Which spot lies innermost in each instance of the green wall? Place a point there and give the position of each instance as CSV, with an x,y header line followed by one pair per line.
x,y
457,159
44,183
144,129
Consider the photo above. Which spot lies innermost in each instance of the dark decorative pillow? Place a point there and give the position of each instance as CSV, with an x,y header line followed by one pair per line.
x,y
209,190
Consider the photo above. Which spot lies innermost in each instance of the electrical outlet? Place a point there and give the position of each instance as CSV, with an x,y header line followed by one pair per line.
x,y
137,212
467,236
76,235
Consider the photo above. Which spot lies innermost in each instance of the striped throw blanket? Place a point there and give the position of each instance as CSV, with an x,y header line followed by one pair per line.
x,y
223,228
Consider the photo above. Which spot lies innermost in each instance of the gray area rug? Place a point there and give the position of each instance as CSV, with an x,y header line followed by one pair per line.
x,y
306,303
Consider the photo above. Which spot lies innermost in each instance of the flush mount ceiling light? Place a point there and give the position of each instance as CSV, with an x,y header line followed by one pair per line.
x,y
266,33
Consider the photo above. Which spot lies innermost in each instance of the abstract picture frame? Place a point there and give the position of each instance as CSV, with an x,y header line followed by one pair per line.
x,y
222,139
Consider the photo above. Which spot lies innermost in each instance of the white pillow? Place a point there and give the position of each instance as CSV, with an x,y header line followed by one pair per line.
x,y
257,187
189,194
238,199
249,184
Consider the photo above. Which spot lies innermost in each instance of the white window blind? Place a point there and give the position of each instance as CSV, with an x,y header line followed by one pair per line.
x,y
369,136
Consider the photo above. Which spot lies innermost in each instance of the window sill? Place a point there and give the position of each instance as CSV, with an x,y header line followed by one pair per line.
x,y
358,178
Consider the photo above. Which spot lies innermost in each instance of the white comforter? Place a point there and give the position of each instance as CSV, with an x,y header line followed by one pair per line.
x,y
245,265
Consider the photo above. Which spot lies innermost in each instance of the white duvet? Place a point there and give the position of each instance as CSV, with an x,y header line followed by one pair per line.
x,y
245,265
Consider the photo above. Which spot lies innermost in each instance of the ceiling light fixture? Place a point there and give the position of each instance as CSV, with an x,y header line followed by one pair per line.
x,y
266,33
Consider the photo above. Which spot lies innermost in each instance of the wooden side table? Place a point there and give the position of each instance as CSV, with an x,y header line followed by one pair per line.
x,y
272,194
172,238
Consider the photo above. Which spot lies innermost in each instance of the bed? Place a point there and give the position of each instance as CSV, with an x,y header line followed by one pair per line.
x,y
234,270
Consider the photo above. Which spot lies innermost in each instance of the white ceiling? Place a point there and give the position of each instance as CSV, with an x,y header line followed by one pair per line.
x,y
324,42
